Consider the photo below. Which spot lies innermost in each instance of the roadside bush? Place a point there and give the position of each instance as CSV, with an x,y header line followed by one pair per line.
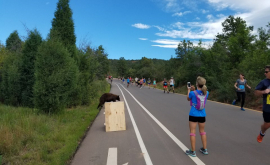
x,y
56,76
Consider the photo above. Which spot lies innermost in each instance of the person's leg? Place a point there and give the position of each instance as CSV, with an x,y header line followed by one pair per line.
x,y
203,134
192,127
265,127
243,98
238,94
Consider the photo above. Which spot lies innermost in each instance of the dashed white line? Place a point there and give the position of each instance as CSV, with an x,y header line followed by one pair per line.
x,y
112,156
137,132
177,141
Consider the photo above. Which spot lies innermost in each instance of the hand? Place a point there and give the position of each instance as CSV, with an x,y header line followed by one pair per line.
x,y
188,87
238,89
249,87
266,91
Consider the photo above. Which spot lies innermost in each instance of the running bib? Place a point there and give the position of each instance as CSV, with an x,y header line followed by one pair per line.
x,y
268,99
241,86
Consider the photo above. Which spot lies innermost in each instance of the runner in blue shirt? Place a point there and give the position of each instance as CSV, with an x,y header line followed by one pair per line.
x,y
240,90
197,114
128,82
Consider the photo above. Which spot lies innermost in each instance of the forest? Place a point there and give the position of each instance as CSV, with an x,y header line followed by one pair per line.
x,y
238,49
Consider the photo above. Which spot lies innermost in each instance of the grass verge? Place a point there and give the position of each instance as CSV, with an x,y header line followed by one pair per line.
x,y
29,136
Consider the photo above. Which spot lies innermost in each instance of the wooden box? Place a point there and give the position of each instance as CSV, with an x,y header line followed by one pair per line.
x,y
115,116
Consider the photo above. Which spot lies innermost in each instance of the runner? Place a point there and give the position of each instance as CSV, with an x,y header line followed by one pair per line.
x,y
128,80
154,83
149,82
240,90
136,81
197,114
111,78
263,89
165,85
144,81
171,84
123,80
141,83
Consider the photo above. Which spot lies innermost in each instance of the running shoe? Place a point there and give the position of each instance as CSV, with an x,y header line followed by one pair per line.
x,y
233,103
191,153
242,109
204,151
259,138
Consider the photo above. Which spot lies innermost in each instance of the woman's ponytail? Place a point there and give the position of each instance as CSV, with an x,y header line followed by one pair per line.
x,y
204,90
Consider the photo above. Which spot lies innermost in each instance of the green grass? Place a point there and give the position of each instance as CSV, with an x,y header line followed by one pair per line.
x,y
29,136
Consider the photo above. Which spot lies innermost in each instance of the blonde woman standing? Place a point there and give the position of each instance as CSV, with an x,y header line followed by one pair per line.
x,y
197,115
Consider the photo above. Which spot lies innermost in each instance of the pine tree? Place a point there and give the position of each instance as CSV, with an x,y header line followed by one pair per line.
x,y
13,42
63,27
56,76
28,67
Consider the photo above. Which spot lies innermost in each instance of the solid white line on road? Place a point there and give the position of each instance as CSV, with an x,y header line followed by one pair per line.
x,y
137,132
112,156
177,141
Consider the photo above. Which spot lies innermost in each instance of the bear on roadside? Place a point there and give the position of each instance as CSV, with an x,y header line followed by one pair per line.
x,y
107,97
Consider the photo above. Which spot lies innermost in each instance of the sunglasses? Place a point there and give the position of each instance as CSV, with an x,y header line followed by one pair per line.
x,y
266,71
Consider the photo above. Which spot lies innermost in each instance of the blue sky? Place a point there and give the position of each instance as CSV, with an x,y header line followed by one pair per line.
x,y
134,29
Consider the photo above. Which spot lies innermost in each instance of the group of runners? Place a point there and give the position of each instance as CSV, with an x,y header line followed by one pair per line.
x,y
198,98
138,82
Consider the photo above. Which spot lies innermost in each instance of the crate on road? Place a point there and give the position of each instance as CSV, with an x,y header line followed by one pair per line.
x,y
115,116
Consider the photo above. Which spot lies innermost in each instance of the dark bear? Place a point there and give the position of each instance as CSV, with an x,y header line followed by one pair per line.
x,y
107,97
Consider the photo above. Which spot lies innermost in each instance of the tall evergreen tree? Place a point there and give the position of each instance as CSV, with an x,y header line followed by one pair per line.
x,y
28,67
63,27
56,76
13,42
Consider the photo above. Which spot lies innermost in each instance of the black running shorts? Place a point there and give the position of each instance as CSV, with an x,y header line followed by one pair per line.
x,y
266,117
197,119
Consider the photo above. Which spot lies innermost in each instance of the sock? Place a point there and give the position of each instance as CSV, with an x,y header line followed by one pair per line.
x,y
261,133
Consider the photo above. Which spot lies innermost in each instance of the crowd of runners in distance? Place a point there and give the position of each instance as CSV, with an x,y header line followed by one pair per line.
x,y
197,96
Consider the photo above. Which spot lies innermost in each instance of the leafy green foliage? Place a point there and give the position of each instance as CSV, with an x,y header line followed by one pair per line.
x,y
13,42
10,83
56,76
63,27
27,69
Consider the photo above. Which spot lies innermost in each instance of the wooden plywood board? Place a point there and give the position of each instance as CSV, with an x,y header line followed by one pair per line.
x,y
115,116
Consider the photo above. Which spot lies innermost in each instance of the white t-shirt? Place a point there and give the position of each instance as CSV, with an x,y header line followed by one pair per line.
x,y
171,82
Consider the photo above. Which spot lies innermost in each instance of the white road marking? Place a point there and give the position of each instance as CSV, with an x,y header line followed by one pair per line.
x,y
112,156
126,163
177,141
137,132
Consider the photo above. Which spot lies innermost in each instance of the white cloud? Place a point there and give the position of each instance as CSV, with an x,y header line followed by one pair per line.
x,y
181,13
195,30
143,39
197,18
178,25
141,26
205,11
177,14
210,16
220,15
240,4
174,43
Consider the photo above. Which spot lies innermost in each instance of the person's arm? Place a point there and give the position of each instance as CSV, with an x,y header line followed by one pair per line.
x,y
248,86
188,93
261,92
235,85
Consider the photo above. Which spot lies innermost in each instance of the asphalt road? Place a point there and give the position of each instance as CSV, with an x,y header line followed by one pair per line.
x,y
161,133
